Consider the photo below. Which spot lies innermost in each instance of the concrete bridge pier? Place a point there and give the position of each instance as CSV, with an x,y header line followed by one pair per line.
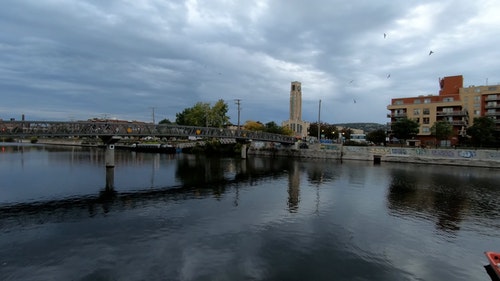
x,y
243,151
109,159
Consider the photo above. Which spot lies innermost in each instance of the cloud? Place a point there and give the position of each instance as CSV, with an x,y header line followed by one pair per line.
x,y
89,58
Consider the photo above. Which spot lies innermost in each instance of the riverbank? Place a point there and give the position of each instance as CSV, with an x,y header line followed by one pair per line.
x,y
442,156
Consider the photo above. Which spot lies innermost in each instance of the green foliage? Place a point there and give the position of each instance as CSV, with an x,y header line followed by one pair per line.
x,y
442,130
328,131
202,114
482,131
269,127
272,127
377,136
251,125
165,121
405,128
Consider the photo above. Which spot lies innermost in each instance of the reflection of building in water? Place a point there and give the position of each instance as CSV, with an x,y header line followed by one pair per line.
x,y
293,188
428,195
295,122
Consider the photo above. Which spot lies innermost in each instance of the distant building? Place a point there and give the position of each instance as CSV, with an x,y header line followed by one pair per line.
x,y
455,104
295,122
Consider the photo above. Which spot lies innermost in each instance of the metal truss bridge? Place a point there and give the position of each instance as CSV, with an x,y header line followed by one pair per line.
x,y
110,128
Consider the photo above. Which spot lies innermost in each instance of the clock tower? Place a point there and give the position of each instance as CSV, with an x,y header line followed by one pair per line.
x,y
295,122
296,101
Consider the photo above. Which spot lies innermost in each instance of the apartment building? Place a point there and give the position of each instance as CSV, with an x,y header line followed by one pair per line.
x,y
455,104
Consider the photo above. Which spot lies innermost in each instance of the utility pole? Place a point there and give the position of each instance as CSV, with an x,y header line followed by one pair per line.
x,y
319,120
238,102
153,113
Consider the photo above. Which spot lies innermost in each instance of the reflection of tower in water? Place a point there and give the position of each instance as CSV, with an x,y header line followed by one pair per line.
x,y
294,188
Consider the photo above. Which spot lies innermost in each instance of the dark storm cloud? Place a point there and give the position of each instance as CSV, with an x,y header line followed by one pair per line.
x,y
85,59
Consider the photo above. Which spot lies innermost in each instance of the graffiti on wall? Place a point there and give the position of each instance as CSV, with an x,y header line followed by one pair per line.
x,y
399,151
493,155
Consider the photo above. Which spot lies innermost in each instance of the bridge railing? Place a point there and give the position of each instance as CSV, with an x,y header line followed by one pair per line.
x,y
25,129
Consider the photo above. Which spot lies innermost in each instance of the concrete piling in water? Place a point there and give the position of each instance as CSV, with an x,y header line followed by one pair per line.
x,y
244,151
110,166
109,159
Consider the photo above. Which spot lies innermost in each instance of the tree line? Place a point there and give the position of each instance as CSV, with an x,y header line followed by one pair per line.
x,y
203,114
481,134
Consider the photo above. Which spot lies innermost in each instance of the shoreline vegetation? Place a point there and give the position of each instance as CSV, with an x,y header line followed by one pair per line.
x,y
489,158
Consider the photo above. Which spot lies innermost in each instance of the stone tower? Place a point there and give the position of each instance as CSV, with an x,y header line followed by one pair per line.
x,y
295,122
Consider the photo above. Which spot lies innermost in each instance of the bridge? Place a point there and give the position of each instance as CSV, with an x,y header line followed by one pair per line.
x,y
109,128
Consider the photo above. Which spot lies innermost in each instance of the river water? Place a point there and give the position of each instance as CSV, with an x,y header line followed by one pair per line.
x,y
186,217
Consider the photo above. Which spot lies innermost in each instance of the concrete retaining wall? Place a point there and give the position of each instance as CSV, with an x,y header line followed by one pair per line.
x,y
461,157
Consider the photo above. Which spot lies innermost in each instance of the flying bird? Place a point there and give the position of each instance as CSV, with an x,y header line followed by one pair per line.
x,y
350,82
354,100
385,35
431,52
388,76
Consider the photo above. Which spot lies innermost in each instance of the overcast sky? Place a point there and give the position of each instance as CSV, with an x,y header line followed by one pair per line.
x,y
80,59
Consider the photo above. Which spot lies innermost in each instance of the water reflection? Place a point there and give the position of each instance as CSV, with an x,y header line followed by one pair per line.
x,y
199,176
446,199
234,219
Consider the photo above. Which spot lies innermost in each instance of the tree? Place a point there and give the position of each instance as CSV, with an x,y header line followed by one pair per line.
x,y
346,133
272,127
482,131
165,121
253,126
218,114
405,128
377,136
201,114
441,130
328,131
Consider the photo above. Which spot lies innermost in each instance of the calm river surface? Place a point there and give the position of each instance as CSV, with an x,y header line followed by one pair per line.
x,y
183,217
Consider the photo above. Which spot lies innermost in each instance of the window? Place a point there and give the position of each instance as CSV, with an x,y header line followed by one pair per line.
x,y
448,109
417,101
477,90
477,99
426,111
425,120
417,120
399,102
477,112
492,88
427,100
425,130
416,111
449,99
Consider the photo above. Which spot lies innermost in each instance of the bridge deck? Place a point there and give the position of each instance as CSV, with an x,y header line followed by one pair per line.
x,y
127,129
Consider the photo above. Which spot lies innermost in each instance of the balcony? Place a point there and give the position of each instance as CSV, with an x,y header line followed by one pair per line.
x,y
397,115
492,97
452,113
492,106
493,113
